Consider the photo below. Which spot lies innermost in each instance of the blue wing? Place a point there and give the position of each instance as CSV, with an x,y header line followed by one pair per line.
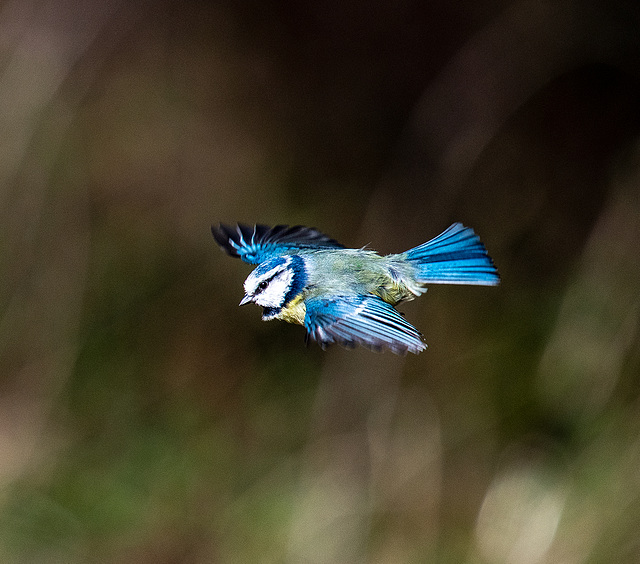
x,y
259,243
364,320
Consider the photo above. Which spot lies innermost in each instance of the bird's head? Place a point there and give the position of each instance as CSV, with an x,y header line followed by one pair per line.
x,y
274,283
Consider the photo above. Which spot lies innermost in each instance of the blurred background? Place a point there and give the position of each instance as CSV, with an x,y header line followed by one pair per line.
x,y
144,417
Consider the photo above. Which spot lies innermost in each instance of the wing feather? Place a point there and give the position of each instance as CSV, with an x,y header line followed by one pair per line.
x,y
360,320
257,243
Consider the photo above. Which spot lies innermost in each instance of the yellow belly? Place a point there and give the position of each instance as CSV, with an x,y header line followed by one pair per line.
x,y
294,311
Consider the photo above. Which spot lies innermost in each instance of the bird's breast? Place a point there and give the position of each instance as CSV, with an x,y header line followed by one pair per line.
x,y
294,311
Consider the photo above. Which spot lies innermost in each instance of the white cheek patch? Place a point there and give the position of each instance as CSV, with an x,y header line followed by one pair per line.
x,y
273,295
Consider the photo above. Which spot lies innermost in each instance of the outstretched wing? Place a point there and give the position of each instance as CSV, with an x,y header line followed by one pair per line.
x,y
259,243
360,320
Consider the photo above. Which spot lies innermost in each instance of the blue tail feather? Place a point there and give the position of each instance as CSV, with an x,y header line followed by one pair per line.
x,y
456,256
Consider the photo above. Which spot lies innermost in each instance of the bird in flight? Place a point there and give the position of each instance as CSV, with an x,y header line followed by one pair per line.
x,y
347,296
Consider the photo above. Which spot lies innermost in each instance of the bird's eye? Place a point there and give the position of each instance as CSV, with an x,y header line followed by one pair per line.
x,y
262,286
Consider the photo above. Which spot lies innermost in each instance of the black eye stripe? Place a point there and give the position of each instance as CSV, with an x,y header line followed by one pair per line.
x,y
263,285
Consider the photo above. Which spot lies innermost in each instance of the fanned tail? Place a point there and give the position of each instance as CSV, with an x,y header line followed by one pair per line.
x,y
456,256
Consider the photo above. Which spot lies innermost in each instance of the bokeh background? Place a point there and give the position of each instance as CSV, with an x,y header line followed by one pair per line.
x,y
145,418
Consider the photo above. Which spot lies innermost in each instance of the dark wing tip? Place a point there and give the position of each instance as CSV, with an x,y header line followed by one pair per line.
x,y
301,236
225,236
375,345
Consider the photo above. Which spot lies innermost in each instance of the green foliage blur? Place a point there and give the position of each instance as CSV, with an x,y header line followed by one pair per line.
x,y
145,418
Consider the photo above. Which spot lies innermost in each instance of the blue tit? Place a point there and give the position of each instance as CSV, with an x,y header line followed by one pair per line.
x,y
347,296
